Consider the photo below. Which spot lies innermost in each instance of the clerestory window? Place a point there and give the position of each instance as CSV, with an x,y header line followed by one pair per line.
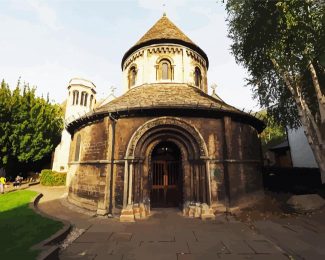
x,y
197,77
75,97
132,76
165,70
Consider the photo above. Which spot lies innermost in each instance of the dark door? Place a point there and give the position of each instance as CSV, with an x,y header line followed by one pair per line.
x,y
166,176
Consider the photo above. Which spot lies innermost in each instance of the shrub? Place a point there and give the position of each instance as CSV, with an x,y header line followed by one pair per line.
x,y
52,178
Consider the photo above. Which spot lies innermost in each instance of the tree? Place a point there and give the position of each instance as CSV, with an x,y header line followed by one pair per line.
x,y
281,44
273,134
5,100
30,126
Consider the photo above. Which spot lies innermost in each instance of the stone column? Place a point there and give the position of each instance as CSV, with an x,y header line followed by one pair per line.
x,y
208,182
127,214
130,184
125,188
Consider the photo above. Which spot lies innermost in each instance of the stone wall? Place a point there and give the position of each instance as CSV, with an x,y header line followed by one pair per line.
x,y
87,176
90,177
184,61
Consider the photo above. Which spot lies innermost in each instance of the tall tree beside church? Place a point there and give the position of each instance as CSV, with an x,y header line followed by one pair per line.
x,y
31,125
5,104
281,44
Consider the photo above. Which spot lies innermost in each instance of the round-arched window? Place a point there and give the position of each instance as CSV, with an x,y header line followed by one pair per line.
x,y
165,70
197,77
132,76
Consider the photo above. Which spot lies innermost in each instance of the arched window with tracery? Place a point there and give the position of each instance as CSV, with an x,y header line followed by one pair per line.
x,y
132,76
75,97
91,101
77,151
82,98
165,70
85,100
197,77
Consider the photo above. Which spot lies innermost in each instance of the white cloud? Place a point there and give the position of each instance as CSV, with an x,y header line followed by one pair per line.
x,y
50,58
49,61
45,13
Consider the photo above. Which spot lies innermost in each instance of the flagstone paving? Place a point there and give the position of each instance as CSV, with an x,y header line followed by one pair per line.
x,y
168,235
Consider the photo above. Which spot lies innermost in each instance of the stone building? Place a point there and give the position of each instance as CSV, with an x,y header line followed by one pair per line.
x,y
81,100
165,142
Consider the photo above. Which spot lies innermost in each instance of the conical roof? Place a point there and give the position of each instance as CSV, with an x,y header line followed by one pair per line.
x,y
165,31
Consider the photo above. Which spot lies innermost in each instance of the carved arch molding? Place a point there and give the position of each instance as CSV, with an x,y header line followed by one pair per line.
x,y
161,122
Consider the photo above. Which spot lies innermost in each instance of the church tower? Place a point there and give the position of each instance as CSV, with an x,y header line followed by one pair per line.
x,y
165,142
165,55
81,100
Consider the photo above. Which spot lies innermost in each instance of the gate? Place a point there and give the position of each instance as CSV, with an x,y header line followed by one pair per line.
x,y
165,190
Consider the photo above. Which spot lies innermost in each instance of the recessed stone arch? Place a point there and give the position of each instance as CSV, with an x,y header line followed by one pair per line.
x,y
165,121
195,182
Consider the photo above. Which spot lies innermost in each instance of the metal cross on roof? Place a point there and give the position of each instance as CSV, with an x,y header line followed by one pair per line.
x,y
213,87
112,89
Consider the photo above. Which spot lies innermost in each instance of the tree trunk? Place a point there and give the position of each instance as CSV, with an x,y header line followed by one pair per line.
x,y
314,130
317,148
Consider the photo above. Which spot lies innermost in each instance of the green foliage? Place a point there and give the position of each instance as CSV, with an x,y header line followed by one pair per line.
x,y
290,32
21,227
5,118
52,178
30,126
273,134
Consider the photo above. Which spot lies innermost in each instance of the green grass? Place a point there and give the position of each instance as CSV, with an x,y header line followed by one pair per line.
x,y
21,227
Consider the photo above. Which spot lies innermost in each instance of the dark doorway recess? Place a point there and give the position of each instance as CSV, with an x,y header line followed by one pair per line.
x,y
166,176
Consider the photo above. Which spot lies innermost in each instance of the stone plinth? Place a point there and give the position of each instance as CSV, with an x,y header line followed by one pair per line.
x,y
198,210
127,214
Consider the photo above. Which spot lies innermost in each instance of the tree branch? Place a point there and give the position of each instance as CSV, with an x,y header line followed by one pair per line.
x,y
285,77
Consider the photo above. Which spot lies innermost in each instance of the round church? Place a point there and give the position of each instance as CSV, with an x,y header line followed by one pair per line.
x,y
166,142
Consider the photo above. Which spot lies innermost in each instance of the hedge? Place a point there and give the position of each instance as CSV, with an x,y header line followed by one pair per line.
x,y
52,178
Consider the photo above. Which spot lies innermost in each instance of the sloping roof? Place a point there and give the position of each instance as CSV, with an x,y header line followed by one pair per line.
x,y
166,98
283,145
165,95
164,31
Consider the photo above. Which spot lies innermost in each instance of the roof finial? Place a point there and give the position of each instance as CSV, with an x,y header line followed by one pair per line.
x,y
164,8
213,86
112,90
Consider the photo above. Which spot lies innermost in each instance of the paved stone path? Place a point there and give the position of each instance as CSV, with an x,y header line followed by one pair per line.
x,y
168,235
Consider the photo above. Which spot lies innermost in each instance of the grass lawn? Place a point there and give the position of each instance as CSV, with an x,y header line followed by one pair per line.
x,y
21,227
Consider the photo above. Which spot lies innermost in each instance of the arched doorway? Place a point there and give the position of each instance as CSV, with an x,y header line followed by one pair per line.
x,y
166,175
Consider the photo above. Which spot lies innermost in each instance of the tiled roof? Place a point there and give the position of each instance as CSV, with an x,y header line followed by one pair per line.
x,y
164,31
169,97
165,95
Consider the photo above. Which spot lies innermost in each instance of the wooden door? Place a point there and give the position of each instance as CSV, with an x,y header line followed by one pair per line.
x,y
165,191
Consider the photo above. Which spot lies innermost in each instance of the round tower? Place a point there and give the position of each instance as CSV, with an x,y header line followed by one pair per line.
x,y
81,100
165,55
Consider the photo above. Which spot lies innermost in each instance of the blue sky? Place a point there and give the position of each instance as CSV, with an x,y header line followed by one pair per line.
x,y
49,42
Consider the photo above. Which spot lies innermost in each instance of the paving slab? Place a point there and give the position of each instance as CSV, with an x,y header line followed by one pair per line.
x,y
168,235
109,257
93,237
120,237
238,246
80,249
261,246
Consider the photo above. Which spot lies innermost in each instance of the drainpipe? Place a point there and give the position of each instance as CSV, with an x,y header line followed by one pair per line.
x,y
110,209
